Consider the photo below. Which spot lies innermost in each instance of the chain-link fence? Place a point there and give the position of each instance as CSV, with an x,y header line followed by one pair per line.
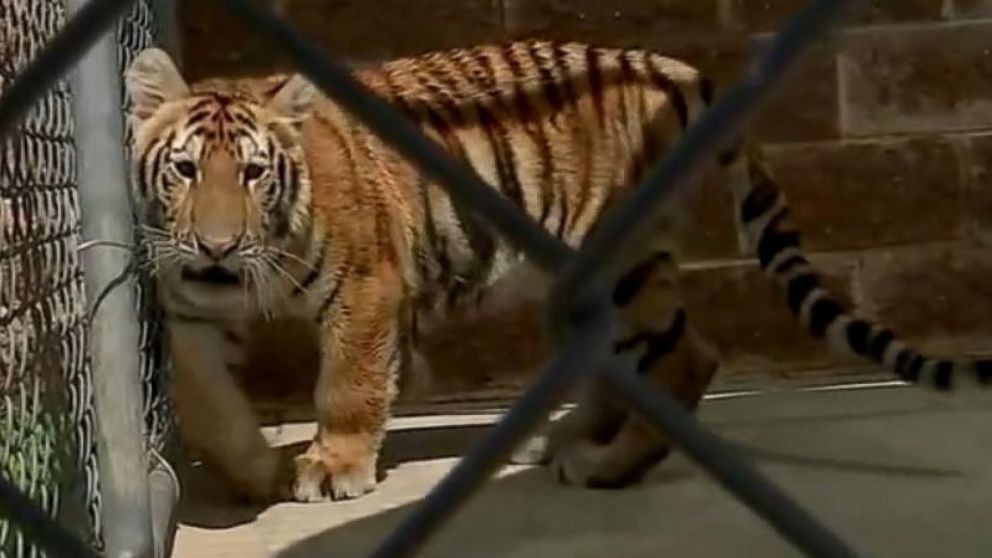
x,y
579,310
47,421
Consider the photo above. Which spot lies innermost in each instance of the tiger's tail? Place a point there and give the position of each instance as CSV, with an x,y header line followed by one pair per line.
x,y
763,219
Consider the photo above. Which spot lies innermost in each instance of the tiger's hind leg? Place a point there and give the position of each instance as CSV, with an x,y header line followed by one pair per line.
x,y
603,445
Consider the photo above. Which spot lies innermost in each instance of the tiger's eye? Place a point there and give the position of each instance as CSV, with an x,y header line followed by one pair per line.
x,y
253,171
186,169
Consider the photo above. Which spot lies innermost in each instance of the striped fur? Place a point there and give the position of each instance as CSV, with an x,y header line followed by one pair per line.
x,y
335,230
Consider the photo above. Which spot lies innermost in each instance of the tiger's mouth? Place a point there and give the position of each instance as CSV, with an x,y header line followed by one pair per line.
x,y
213,275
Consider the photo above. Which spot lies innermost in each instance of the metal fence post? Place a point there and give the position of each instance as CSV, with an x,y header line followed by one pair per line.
x,y
106,215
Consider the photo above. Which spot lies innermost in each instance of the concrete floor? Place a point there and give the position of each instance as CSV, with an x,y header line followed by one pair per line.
x,y
895,471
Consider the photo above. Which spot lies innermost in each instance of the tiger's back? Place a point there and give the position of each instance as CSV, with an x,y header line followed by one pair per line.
x,y
559,128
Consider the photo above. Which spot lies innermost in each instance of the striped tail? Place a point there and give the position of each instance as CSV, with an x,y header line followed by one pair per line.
x,y
763,218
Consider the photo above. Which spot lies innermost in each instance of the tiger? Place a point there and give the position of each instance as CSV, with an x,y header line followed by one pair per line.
x,y
263,201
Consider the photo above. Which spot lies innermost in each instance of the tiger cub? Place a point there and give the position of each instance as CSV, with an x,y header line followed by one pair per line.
x,y
262,200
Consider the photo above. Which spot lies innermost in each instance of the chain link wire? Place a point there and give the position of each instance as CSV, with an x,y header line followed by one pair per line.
x,y
137,31
47,444
46,413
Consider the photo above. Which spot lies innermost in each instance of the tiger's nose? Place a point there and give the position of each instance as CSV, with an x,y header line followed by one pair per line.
x,y
217,248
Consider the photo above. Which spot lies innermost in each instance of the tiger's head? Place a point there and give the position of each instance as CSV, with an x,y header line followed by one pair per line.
x,y
219,178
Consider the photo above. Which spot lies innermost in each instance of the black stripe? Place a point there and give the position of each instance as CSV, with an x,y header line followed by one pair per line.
x,y
626,78
203,103
282,189
438,250
857,336
527,116
143,164
903,359
546,183
789,264
560,58
915,367
880,343
157,173
243,120
662,344
316,269
658,344
160,150
281,168
480,240
488,76
774,241
595,77
562,211
760,200
584,192
823,313
504,157
197,117
799,288
706,90
521,101
330,298
672,89
549,86
983,371
942,375
646,123
293,183
631,282
453,112
286,190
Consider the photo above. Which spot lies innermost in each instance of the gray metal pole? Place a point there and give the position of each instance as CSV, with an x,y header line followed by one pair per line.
x,y
106,215
168,33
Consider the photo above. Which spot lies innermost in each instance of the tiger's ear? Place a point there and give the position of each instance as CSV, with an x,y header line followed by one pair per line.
x,y
152,79
293,99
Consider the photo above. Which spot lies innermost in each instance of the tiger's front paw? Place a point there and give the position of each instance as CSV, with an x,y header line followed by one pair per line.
x,y
339,467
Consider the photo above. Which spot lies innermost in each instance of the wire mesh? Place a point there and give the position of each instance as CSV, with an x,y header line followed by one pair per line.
x,y
47,445
46,414
137,31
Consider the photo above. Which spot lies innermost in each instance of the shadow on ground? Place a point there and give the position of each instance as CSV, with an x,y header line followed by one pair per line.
x,y
895,473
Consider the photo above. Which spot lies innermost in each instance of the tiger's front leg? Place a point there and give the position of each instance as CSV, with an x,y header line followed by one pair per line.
x,y
360,358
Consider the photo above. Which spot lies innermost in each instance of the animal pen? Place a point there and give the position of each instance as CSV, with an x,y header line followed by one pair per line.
x,y
85,425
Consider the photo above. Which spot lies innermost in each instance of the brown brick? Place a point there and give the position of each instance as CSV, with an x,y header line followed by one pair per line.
x,y
939,299
971,8
867,194
769,15
746,317
915,79
804,107
350,29
710,233
642,23
492,352
977,204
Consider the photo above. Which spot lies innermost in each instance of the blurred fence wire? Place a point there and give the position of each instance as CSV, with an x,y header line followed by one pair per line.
x,y
578,307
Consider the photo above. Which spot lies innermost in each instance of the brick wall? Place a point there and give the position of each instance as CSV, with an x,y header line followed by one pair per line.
x,y
882,144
